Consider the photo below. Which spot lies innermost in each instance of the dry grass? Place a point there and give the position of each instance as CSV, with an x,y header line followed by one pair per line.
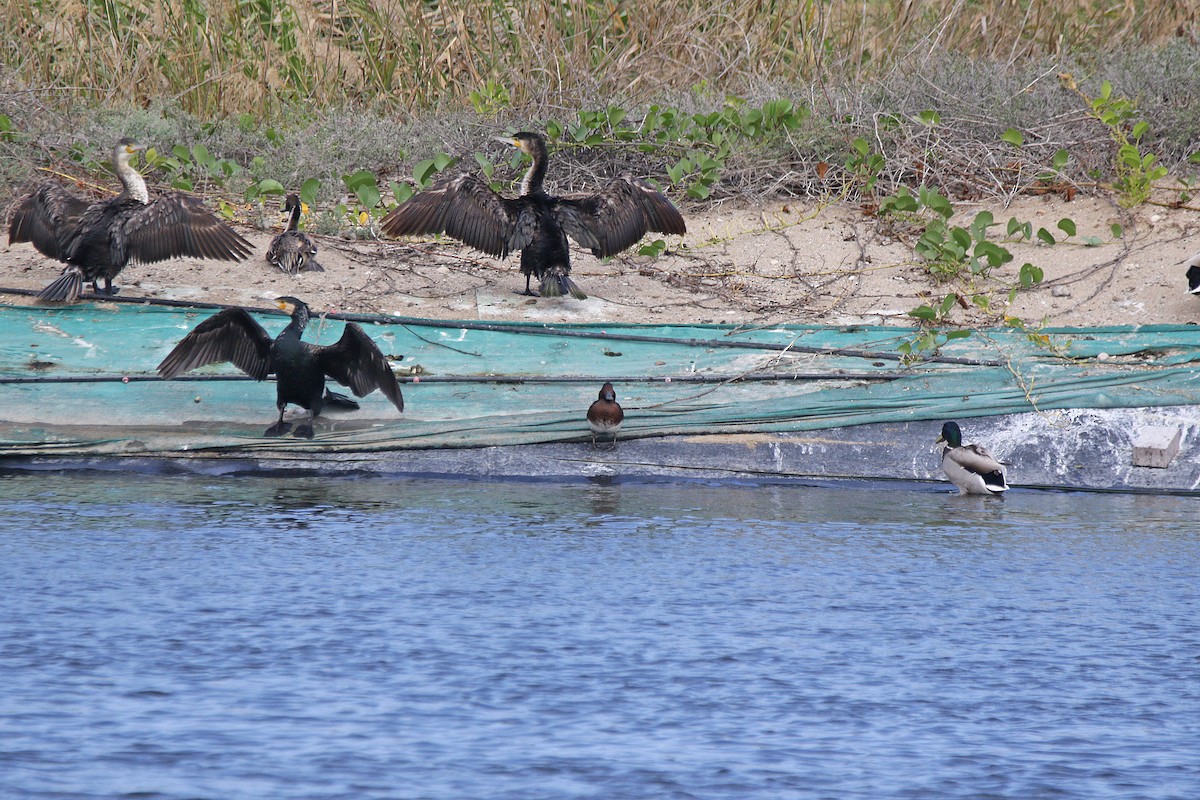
x,y
221,58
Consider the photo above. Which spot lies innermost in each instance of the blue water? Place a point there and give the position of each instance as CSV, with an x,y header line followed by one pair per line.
x,y
254,637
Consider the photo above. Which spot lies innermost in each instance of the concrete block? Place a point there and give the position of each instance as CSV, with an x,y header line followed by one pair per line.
x,y
1155,446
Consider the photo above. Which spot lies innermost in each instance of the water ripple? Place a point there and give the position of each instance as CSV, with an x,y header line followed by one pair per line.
x,y
178,637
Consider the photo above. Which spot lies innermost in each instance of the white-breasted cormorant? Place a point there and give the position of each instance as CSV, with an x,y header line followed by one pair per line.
x,y
536,223
292,251
969,466
97,239
1193,273
300,368
605,415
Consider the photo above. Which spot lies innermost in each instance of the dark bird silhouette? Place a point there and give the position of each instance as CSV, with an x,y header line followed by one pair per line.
x,y
97,240
292,251
969,466
536,223
300,368
605,415
1193,273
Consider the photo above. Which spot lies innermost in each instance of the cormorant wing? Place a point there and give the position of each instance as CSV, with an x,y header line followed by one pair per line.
x,y
47,218
617,216
231,335
355,361
176,225
466,208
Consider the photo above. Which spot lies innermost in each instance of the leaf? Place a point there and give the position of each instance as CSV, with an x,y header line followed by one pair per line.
x,y
270,186
1013,137
950,335
308,191
924,313
1117,231
401,191
1046,236
1029,275
1067,226
423,172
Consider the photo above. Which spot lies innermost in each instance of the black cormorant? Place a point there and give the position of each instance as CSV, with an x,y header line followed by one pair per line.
x,y
292,251
96,240
1193,273
605,415
300,367
536,223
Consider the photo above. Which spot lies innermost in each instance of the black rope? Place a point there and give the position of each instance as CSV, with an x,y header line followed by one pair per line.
x,y
542,330
754,377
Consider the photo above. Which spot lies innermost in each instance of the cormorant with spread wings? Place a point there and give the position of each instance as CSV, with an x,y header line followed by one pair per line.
x,y
536,223
300,367
97,239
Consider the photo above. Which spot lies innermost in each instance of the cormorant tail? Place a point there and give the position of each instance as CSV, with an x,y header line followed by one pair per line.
x,y
555,283
339,401
66,289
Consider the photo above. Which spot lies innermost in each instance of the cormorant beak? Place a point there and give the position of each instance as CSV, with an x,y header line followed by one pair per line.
x,y
285,305
508,140
134,148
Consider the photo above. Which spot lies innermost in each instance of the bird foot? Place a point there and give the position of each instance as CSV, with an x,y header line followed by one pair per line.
x,y
303,432
279,429
527,293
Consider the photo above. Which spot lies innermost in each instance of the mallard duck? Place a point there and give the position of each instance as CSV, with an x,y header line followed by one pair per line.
x,y
1193,273
536,223
300,368
97,240
292,251
605,415
968,466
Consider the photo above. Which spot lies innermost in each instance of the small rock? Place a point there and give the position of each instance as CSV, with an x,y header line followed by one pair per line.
x,y
1060,291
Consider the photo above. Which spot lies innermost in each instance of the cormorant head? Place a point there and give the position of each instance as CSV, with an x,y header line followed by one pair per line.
x,y
290,202
290,304
125,149
525,141
951,435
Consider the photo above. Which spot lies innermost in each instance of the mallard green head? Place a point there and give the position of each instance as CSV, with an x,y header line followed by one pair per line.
x,y
951,435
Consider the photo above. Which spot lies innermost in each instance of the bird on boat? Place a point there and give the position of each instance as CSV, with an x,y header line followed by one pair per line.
x,y
1193,273
292,251
605,415
536,223
969,466
97,239
300,368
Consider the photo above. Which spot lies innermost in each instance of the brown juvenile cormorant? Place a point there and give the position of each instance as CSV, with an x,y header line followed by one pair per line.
x,y
536,223
605,416
300,367
969,466
97,240
292,251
